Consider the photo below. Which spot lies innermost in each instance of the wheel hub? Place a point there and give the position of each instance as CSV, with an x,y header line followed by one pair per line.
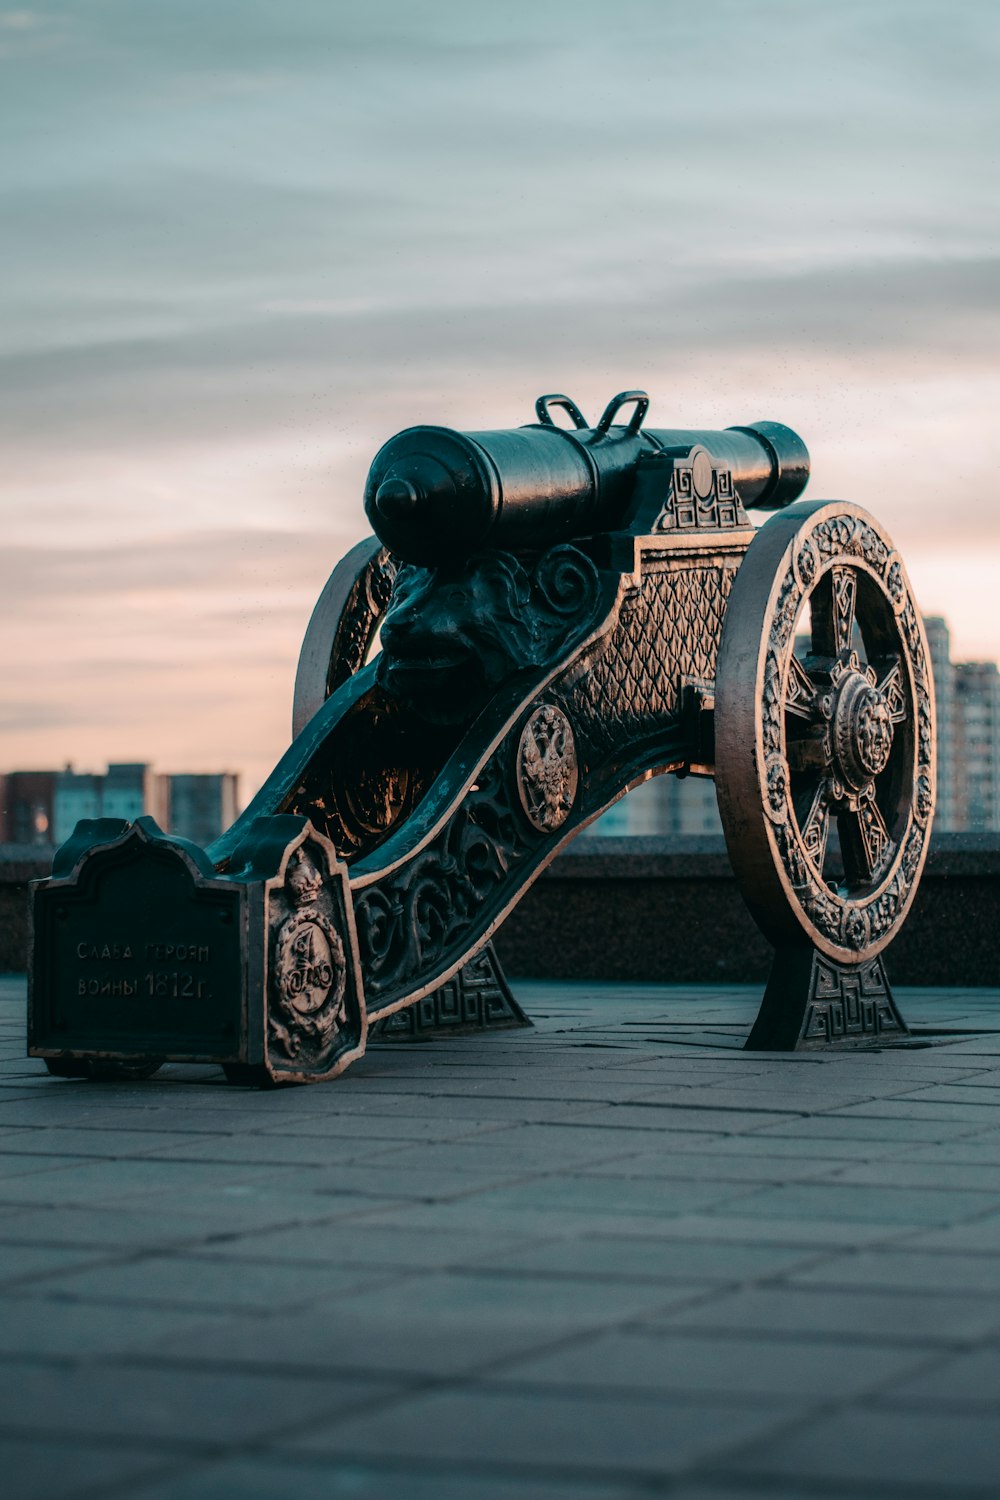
x,y
862,730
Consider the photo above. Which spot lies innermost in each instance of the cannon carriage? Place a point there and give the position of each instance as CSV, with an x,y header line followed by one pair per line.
x,y
543,618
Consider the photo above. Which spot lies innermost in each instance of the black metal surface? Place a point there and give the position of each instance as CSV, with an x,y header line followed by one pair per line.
x,y
435,495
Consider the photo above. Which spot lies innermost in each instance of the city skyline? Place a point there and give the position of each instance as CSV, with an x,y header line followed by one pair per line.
x,y
968,766
244,247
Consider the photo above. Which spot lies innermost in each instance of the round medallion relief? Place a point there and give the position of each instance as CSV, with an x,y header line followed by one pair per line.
x,y
546,768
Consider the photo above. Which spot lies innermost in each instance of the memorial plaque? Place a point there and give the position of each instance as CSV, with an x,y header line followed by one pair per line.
x,y
144,954
139,950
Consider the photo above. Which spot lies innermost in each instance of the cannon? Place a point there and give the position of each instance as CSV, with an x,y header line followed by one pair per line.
x,y
434,495
542,619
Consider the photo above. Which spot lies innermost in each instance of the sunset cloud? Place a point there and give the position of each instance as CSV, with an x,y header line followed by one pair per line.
x,y
243,244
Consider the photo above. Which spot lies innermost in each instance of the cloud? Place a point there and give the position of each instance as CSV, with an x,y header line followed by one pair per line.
x,y
244,244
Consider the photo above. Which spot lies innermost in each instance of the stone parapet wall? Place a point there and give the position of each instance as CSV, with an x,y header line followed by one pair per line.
x,y
19,863
664,910
667,909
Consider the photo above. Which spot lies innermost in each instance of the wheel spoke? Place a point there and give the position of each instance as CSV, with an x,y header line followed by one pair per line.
x,y
811,753
815,828
845,590
833,608
865,841
800,691
892,689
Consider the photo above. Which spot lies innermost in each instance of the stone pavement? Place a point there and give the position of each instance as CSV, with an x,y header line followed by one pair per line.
x,y
614,1256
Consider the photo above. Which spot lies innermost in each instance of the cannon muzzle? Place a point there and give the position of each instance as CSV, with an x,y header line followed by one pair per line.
x,y
435,495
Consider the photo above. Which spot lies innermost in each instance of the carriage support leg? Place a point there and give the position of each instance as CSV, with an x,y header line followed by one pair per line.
x,y
813,1002
476,998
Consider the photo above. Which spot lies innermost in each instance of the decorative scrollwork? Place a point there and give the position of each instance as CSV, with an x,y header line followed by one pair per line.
x,y
414,919
366,605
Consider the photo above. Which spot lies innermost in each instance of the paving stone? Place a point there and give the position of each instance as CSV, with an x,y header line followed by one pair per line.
x,y
667,1118
257,1149
706,1166
980,1237
121,1228
504,1096
736,1488
19,1164
481,1112
903,1268
98,1144
635,1258
40,1329
82,1182
546,1431
756,1096
902,1318
924,1174
975,1116
18,1261
229,1209
915,1453
983,1149
436,1324
841,1127
425,1179
39,1471
784,1147
357,1243
981,1080
678,1363
967,1380
483,1213
884,1204
538,1147
975,1093
187,1281
579,1194
395,1127
311,1477
172,1408
44,1109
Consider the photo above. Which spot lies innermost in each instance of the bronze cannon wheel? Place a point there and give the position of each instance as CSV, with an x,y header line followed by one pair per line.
x,y
825,731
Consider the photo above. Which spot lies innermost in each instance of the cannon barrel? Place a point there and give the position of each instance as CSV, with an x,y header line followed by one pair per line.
x,y
435,495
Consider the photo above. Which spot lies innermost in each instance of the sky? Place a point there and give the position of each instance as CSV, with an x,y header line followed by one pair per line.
x,y
243,243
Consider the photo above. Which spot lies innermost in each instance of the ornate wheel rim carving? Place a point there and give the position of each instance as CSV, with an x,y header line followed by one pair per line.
x,y
835,734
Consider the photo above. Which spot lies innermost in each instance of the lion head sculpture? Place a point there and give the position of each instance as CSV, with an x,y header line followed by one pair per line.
x,y
452,635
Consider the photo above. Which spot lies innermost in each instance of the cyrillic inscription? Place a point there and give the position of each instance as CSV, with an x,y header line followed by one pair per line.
x,y
154,983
